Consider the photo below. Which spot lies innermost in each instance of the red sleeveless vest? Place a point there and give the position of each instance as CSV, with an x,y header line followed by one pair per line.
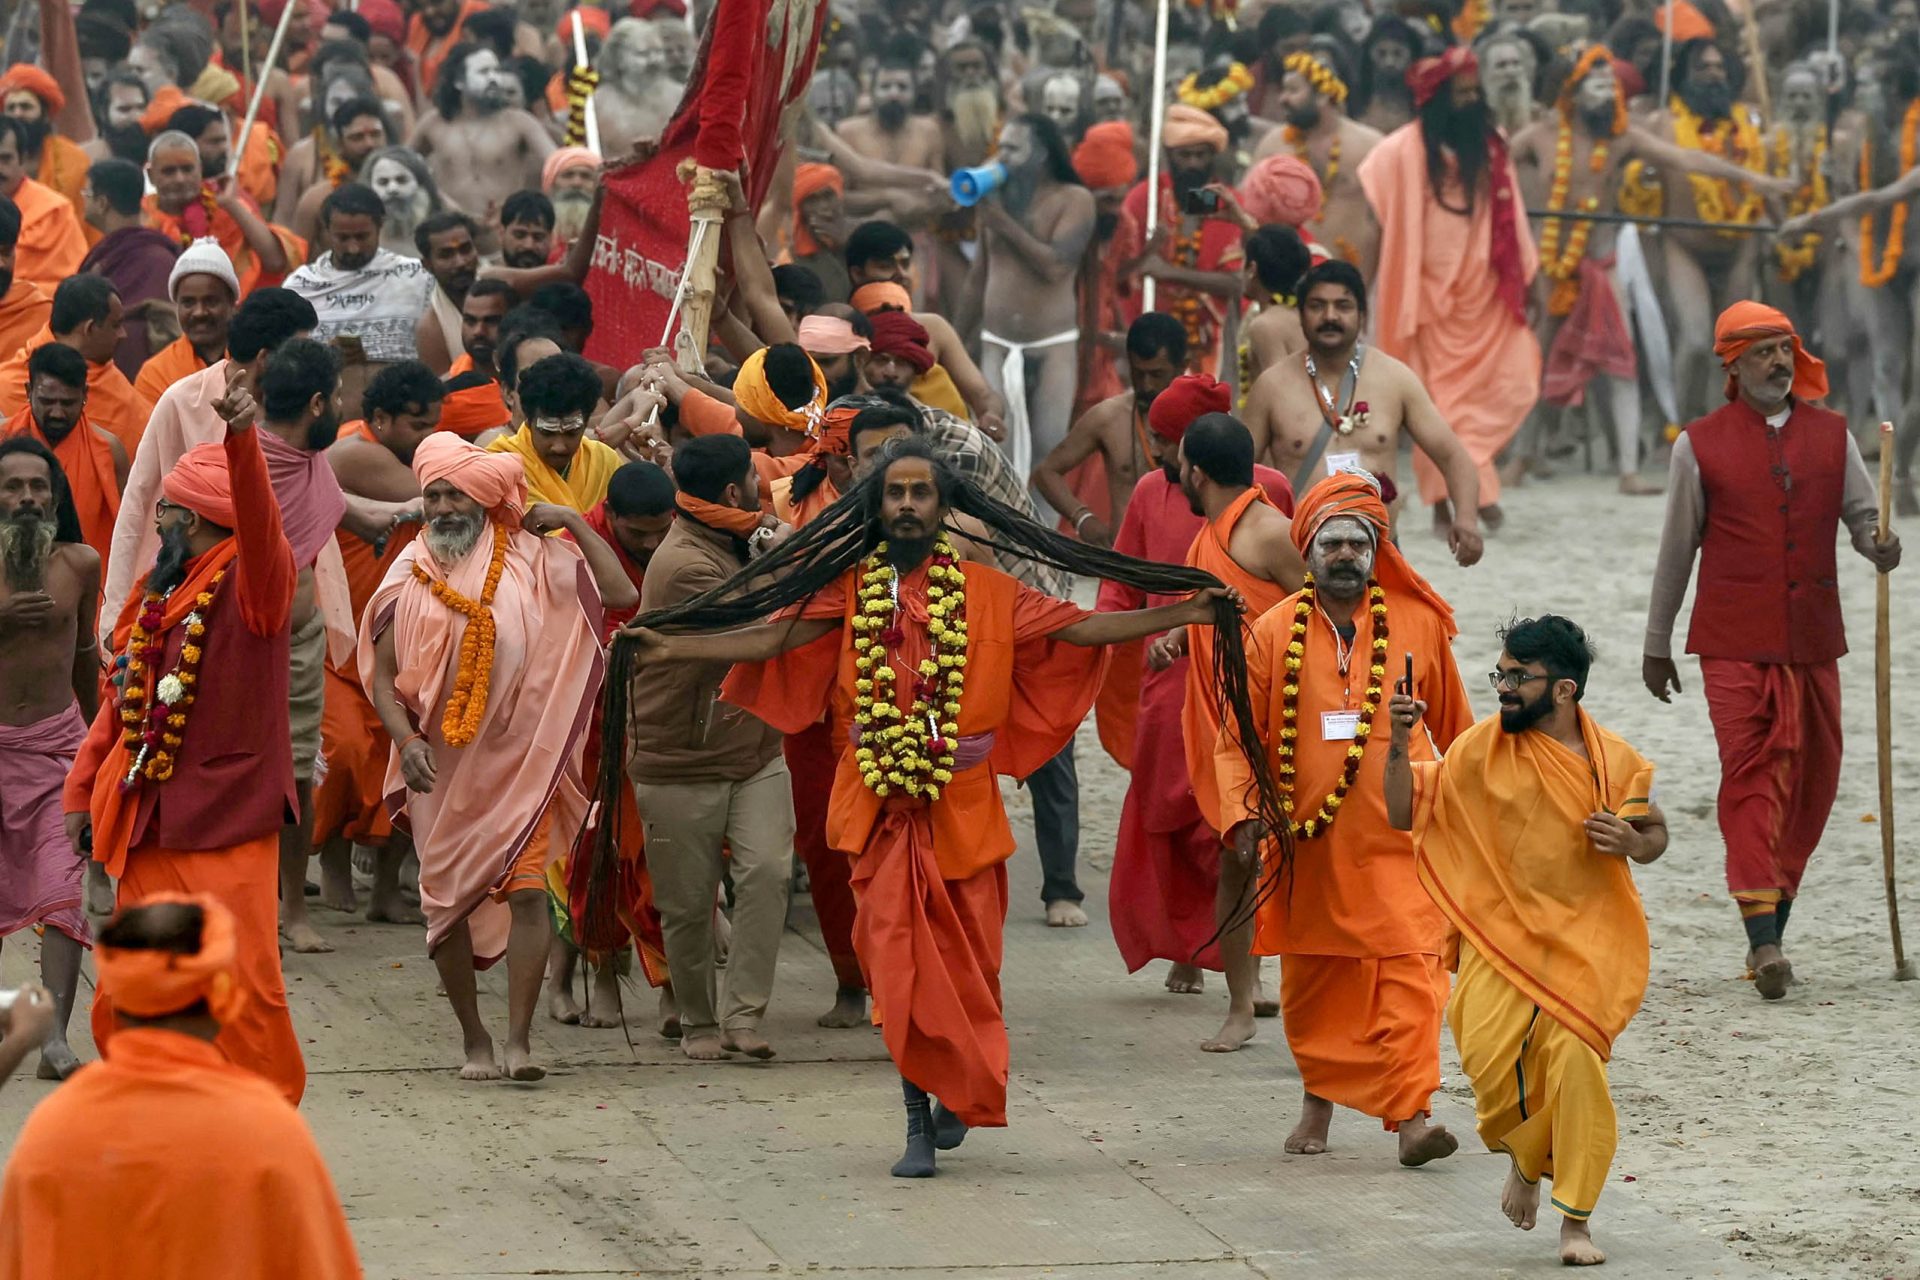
x,y
1768,589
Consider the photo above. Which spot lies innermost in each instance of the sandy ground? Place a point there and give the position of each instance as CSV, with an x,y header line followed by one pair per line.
x,y
1756,1139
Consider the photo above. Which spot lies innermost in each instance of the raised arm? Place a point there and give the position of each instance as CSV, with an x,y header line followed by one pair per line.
x,y
266,570
60,55
259,236
616,588
1667,156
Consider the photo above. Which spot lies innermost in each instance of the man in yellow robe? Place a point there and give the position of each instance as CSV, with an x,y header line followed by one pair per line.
x,y
1523,834
564,465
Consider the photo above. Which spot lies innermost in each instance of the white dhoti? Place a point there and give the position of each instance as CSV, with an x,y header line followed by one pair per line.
x,y
1019,444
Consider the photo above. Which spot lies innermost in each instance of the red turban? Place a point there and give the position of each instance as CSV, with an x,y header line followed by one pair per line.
x,y
1104,157
1187,397
152,983
201,483
1426,76
1350,493
24,75
1745,323
895,333
810,180
385,18
496,481
869,298
1282,189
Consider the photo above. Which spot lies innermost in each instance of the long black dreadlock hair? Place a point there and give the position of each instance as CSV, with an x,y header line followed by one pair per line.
x,y
840,538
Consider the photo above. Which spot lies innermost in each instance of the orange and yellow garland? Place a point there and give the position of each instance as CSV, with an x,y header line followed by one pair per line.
x,y
1896,245
1298,141
467,703
1290,712
152,732
911,751
1237,81
1564,268
1736,138
1796,258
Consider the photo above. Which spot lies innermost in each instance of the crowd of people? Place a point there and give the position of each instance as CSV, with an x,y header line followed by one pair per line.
x,y
592,659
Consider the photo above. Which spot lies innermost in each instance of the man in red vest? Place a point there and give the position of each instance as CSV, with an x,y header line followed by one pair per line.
x,y
1759,489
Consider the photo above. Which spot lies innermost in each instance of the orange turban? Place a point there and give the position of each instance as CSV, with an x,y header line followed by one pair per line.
x,y
869,298
1350,493
753,393
1186,398
833,432
1426,76
1688,22
153,983
1593,57
496,481
1186,126
810,180
24,75
1282,189
1745,323
201,483
1104,157
593,22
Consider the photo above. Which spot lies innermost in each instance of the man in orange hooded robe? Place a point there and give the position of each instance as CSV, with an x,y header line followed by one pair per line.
x,y
51,244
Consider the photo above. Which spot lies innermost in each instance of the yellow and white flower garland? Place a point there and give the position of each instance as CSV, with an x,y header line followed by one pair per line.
x,y
1284,773
912,751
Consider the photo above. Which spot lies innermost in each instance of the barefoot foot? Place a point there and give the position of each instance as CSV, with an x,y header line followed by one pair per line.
x,y
1636,487
336,878
705,1047
1520,1200
1421,1142
1186,979
480,1064
1309,1136
57,1061
668,1014
520,1064
1265,1008
604,1006
849,1009
1234,1032
748,1041
305,939
1065,915
1577,1248
562,1007
382,909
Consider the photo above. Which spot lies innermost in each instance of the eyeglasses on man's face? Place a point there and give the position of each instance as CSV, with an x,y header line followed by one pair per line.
x,y
1512,681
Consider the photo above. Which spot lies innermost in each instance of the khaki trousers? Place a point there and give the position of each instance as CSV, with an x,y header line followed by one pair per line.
x,y
688,824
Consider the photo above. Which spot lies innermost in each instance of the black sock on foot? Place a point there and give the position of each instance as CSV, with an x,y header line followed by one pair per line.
x,y
1762,930
917,1160
949,1130
1780,914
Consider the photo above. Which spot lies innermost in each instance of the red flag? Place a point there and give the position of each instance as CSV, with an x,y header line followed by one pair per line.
x,y
755,60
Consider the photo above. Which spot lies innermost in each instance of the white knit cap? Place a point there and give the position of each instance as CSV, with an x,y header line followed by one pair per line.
x,y
204,257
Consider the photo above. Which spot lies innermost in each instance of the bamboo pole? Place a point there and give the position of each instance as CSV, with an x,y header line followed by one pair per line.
x,y
1903,970
260,90
1666,59
580,60
246,45
1156,111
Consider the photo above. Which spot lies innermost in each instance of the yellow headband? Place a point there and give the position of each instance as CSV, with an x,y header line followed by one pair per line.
x,y
1318,74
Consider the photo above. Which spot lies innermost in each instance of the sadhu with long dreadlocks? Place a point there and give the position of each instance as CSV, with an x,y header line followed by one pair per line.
x,y
949,673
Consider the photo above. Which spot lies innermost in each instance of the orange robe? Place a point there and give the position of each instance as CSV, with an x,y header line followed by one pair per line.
x,y
1361,983
52,246
197,220
87,459
112,402
23,311
1200,718
473,409
165,367
63,168
429,50
930,877
1435,307
168,1144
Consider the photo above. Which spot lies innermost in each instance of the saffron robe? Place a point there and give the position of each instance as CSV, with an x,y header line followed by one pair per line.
x,y
86,457
473,404
930,877
1361,983
112,403
168,1143
195,221
165,367
1436,307
583,488
51,245
24,309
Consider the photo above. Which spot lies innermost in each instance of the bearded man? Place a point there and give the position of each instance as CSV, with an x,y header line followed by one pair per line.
x,y
1382,99
1510,65
1315,127
49,691
87,317
50,244
406,187
187,205
569,178
433,32
1455,262
480,150
1033,232
359,128
637,93
486,769
93,461
448,243
1105,164
891,131
34,98
966,95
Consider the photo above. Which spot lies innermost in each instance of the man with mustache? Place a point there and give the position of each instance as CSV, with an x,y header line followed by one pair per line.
x,y
1524,833
120,102
204,291
881,254
1758,490
1316,128
357,129
637,92
188,205
1510,64
49,690
480,150
1359,940
891,131
488,736
449,244
87,318
1342,406
1443,191
93,461
1167,888
31,96
50,245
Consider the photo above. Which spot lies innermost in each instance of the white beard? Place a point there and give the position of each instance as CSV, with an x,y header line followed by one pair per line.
x,y
452,539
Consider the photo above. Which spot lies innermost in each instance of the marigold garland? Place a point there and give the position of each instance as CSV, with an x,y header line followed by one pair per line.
x,y
1564,268
1237,81
1896,245
911,751
1798,258
1318,74
1298,141
467,703
1640,195
1284,773
152,730
1735,138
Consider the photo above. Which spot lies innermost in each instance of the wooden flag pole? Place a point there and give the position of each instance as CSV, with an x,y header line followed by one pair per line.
x,y
1156,114
1903,970
241,139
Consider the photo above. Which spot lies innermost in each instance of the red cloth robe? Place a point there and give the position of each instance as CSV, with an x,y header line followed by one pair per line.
x,y
1219,250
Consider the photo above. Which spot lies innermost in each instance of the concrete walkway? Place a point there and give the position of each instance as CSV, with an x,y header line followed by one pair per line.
x,y
1130,1153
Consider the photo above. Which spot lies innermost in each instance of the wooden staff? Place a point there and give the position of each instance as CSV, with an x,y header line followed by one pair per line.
x,y
260,89
1903,970
246,46
1156,112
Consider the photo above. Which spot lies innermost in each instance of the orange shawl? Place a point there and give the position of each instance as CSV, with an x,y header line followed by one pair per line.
x,y
221,225
23,309
112,403
52,246
87,459
473,410
165,367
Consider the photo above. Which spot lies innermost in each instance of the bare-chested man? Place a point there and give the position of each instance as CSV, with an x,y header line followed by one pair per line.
x,y
1383,102
1270,332
967,96
891,131
1572,160
1341,406
1316,128
1116,429
1033,232
637,95
480,150
49,690
1507,67
406,187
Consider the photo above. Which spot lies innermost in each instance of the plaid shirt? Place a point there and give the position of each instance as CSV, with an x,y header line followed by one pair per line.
x,y
961,446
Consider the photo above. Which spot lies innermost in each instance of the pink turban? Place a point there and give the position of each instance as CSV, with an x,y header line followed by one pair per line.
x,y
1281,189
1187,126
562,160
496,481
829,336
201,483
